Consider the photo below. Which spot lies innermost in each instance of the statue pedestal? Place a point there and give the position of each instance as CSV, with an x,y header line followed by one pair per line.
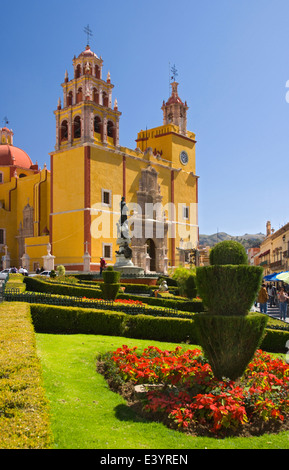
x,y
25,261
129,270
6,261
48,262
124,263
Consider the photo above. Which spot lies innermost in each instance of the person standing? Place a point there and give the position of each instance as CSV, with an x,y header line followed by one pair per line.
x,y
283,297
263,298
271,295
102,265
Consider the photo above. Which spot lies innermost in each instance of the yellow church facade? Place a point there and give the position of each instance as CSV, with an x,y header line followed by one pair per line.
x,y
75,207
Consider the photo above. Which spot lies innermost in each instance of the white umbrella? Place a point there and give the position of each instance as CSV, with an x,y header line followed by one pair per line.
x,y
283,277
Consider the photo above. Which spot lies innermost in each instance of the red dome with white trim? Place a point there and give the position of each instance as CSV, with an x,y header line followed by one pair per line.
x,y
11,155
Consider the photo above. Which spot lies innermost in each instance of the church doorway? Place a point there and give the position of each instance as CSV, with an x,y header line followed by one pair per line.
x,y
151,249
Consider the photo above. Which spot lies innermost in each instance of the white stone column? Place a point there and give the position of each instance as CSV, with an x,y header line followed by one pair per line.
x,y
104,129
86,260
100,96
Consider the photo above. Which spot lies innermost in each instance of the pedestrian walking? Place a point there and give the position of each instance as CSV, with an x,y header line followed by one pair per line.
x,y
263,299
274,295
271,295
283,298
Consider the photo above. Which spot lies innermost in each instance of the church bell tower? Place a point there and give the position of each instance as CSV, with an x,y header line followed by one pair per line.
x,y
175,111
87,114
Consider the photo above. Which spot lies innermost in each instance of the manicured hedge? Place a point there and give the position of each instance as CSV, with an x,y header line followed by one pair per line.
x,y
193,306
15,281
275,341
54,319
24,411
38,285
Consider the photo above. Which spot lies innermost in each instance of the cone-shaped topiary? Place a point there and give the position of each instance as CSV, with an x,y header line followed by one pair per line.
x,y
228,289
110,286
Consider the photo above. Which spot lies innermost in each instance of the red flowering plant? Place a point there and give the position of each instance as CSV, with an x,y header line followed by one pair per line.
x,y
121,301
190,395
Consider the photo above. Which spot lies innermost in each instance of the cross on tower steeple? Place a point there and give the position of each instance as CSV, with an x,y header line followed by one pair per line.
x,y
174,73
88,31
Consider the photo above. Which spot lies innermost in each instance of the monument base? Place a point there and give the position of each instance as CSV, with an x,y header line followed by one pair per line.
x,y
129,270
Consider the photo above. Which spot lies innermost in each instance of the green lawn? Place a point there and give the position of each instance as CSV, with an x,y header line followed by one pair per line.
x,y
87,415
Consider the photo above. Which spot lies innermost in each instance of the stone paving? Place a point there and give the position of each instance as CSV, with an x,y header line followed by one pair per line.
x,y
274,312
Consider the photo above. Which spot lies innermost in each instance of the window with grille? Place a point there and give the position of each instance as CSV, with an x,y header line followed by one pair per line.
x,y
107,251
106,197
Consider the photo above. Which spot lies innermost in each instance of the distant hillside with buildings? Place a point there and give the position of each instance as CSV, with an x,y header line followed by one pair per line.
x,y
247,240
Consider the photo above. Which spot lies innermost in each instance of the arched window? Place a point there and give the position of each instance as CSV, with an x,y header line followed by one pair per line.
x,y
110,129
77,72
97,72
105,99
63,131
69,99
77,128
22,175
79,95
97,124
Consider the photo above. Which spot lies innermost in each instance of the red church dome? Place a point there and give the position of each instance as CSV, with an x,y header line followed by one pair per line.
x,y
10,155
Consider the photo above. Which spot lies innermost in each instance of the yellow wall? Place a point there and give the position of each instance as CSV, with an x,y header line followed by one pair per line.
x,y
36,247
16,194
68,205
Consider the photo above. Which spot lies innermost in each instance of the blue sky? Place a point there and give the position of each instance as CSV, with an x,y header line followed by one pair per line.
x,y
233,64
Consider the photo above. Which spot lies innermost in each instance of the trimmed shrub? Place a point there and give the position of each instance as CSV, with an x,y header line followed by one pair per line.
x,y
24,409
228,252
190,287
229,343
228,290
54,319
110,276
15,282
37,284
138,288
110,285
275,341
161,329
194,305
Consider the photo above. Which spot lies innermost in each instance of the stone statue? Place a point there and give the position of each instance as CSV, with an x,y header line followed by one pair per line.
x,y
124,232
163,286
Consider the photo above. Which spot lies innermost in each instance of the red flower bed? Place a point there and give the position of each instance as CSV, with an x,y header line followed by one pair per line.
x,y
121,301
191,396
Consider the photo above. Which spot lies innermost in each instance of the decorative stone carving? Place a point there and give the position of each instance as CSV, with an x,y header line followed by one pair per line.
x,y
150,244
